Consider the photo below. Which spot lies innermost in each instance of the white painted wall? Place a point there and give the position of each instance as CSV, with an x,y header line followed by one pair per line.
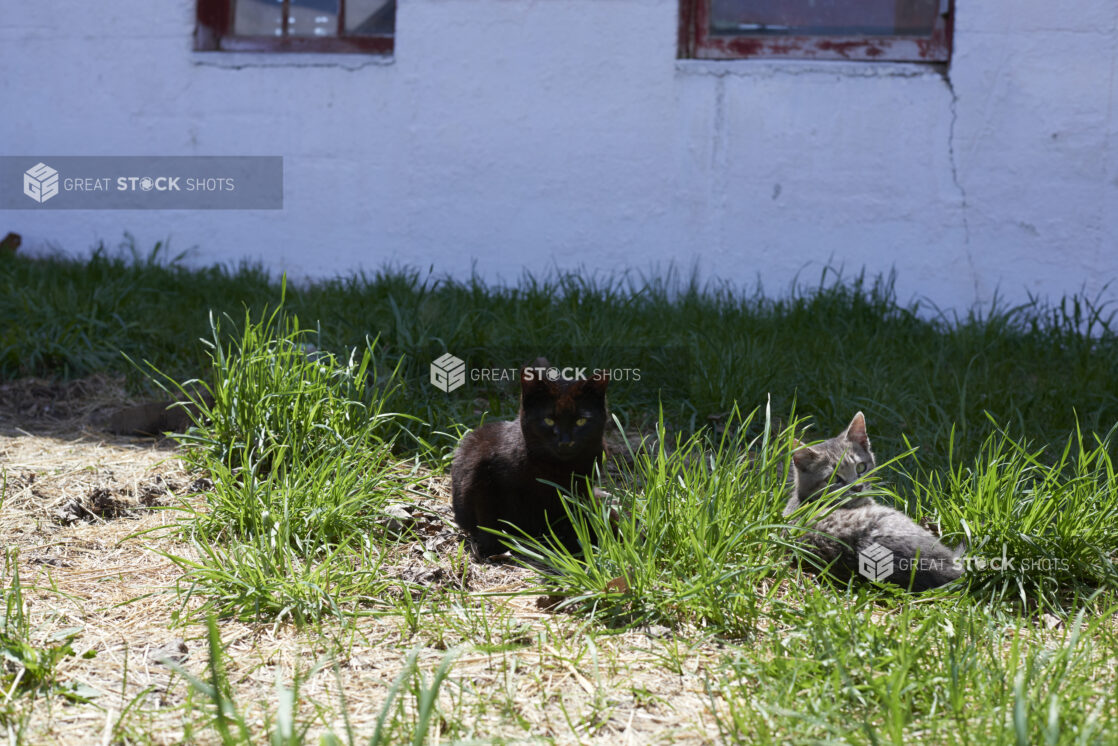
x,y
536,133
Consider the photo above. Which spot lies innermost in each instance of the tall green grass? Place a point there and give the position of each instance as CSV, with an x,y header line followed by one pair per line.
x,y
269,393
300,451
833,345
702,541
1040,523
690,537
293,547
74,316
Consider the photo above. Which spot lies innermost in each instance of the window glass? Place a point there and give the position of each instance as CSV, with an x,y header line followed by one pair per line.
x,y
370,17
258,17
312,18
824,17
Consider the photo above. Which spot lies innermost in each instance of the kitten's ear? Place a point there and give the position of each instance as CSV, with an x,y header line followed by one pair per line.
x,y
804,457
532,378
598,382
856,431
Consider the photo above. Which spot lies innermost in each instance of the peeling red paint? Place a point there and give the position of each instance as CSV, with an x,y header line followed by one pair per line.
x,y
847,49
698,42
743,47
783,50
938,47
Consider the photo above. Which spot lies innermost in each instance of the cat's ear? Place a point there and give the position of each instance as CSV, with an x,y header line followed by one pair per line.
x,y
597,383
532,378
856,431
804,457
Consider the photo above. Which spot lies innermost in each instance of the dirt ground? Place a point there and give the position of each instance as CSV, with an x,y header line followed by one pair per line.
x,y
88,513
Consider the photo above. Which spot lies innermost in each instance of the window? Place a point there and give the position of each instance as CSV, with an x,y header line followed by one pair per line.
x,y
895,30
296,26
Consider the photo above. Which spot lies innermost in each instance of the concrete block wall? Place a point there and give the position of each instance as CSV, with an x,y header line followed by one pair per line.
x,y
505,136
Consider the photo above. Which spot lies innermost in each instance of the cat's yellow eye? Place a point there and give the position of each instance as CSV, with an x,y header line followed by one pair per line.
x,y
580,421
549,422
860,468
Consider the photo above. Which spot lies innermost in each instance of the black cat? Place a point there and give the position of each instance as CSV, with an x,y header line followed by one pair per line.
x,y
499,471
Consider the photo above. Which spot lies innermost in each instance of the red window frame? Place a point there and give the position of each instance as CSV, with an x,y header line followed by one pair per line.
x,y
696,42
214,32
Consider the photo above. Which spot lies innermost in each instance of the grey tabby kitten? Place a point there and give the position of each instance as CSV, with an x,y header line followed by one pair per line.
x,y
920,560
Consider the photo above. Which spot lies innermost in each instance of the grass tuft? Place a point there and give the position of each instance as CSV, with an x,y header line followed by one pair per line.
x,y
299,448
